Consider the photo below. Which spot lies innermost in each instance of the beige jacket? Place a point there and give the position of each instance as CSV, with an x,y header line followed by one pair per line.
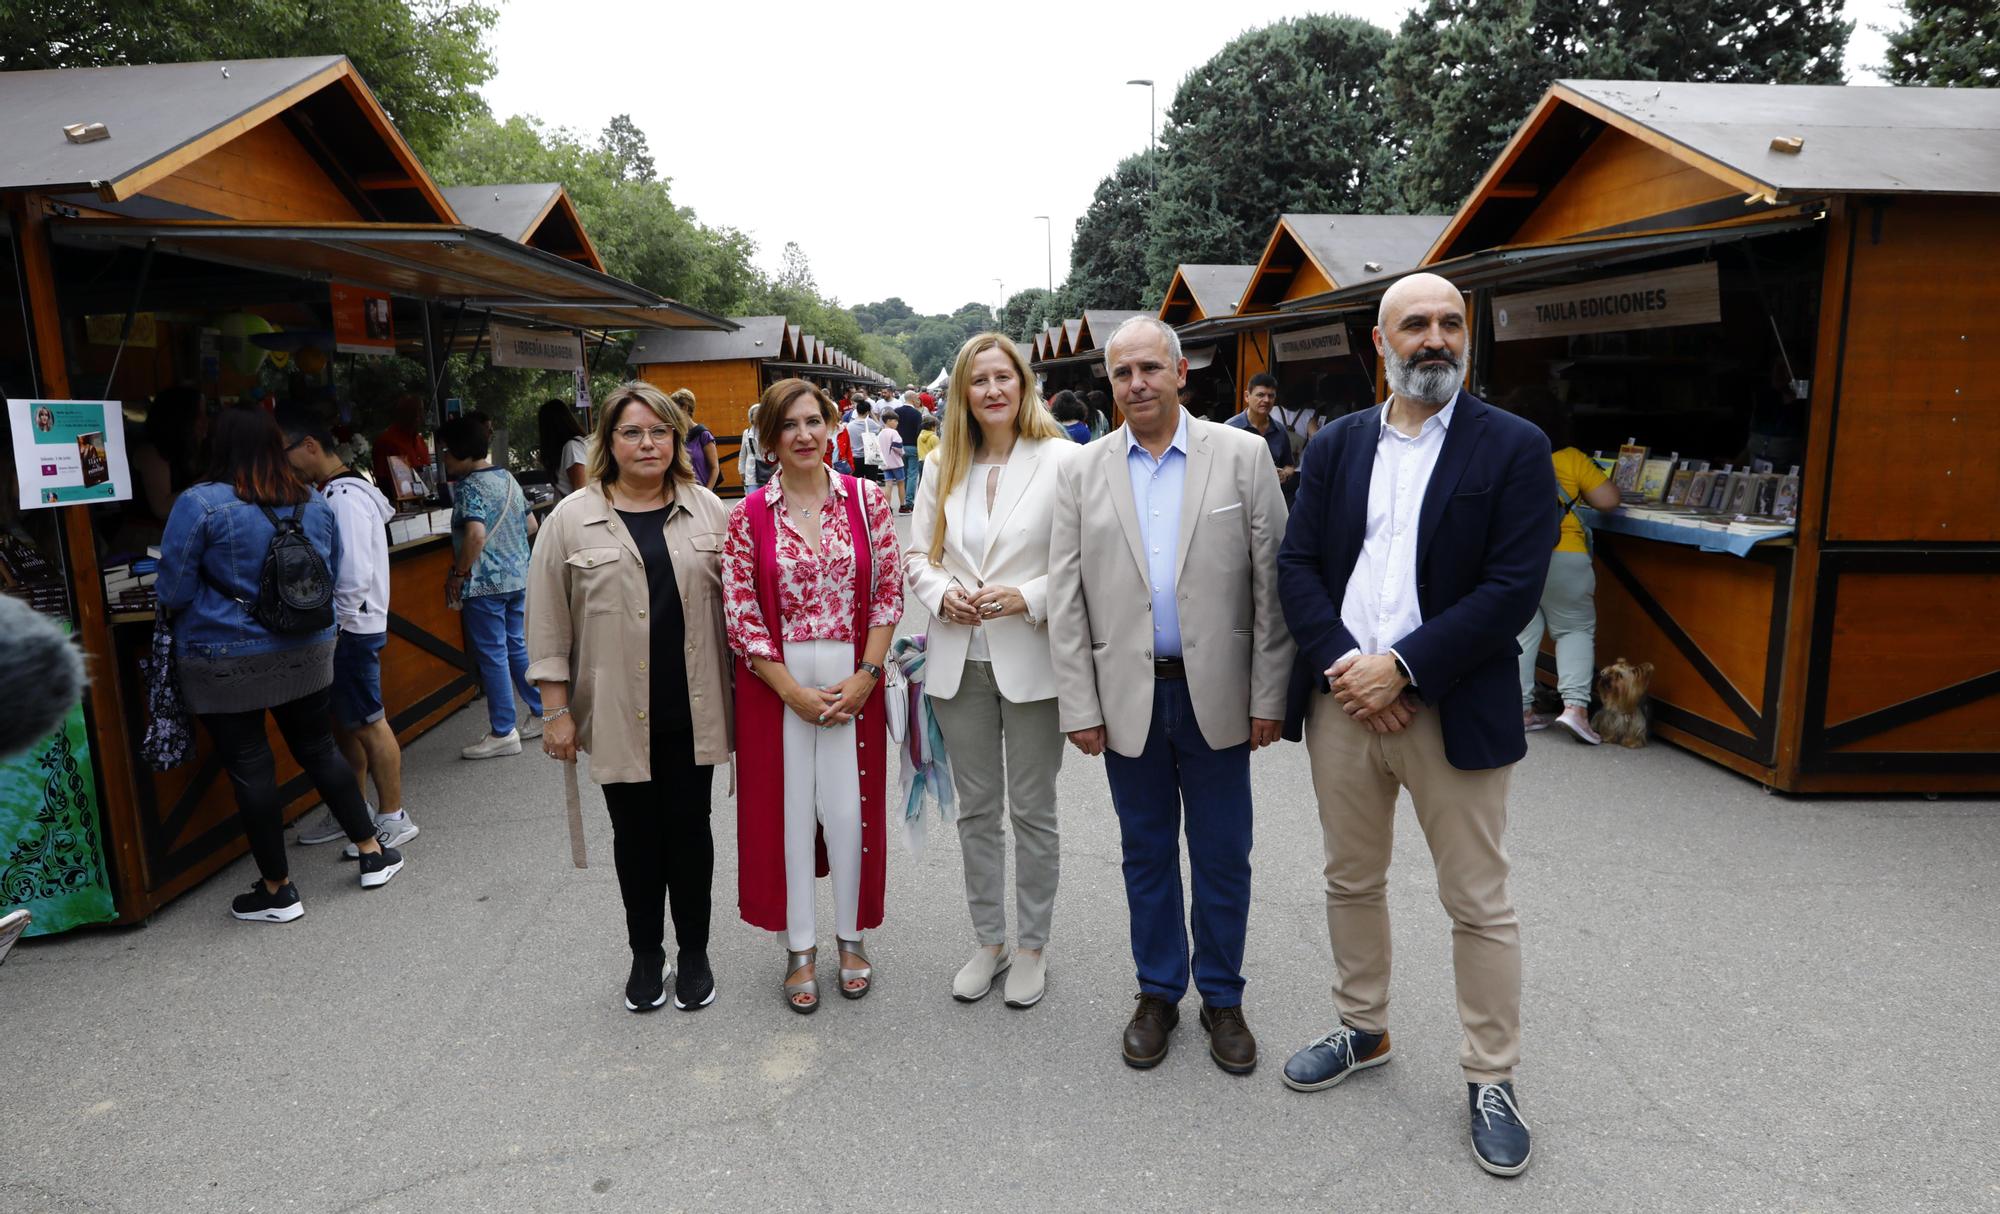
x,y
1234,641
587,626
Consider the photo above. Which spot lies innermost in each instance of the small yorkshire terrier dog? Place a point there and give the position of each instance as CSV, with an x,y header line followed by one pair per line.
x,y
1622,687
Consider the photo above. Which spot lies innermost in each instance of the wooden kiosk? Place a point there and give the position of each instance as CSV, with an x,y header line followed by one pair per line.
x,y
1835,251
265,186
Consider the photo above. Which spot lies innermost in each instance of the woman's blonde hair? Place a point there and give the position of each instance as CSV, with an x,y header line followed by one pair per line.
x,y
959,436
603,467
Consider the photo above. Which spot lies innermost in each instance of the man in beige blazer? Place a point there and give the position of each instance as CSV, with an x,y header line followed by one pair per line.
x,y
1171,653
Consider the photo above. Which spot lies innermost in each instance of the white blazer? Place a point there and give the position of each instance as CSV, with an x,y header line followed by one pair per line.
x,y
1016,554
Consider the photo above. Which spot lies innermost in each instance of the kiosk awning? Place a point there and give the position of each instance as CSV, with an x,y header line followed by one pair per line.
x,y
1490,266
422,261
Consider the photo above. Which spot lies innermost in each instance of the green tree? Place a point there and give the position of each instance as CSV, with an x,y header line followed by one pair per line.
x,y
1463,74
1290,117
1018,314
891,315
1107,255
1943,43
631,218
425,59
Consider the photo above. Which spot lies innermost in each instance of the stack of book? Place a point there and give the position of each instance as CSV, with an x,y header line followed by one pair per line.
x,y
128,583
28,576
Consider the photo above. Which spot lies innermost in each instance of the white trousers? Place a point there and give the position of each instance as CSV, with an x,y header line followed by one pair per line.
x,y
822,792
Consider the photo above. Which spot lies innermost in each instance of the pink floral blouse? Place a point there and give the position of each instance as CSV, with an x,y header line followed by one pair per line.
x,y
816,589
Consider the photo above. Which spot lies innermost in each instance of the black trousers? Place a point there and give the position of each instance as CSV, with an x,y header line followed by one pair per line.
x,y
661,844
245,750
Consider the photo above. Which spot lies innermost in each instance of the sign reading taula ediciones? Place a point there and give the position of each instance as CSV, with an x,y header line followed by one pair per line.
x,y
1688,295
1326,341
547,348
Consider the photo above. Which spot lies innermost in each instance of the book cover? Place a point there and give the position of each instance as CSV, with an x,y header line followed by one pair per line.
x,y
1742,492
1631,461
1653,477
1786,503
1696,497
1677,488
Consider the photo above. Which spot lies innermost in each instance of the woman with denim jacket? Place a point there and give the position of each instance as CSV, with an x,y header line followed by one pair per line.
x,y
233,670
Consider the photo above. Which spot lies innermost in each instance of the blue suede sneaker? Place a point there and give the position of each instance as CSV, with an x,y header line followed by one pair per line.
x,y
1499,1136
1334,1057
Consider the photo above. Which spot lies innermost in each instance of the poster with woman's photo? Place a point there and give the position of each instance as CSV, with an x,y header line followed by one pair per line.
x,y
69,451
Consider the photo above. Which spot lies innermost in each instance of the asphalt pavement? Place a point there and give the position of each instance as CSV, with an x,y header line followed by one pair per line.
x,y
1734,1001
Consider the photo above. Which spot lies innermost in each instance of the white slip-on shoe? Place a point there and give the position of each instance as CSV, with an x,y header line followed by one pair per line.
x,y
1574,720
490,747
1027,978
530,728
976,979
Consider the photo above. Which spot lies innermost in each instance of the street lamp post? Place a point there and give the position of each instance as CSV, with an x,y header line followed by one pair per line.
x,y
1049,248
1152,113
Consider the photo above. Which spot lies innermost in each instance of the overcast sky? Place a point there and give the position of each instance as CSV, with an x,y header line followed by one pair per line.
x,y
906,147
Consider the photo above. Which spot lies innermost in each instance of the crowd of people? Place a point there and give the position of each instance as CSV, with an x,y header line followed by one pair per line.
x,y
1170,596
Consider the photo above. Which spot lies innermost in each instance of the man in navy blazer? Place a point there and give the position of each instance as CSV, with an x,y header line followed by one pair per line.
x,y
1416,551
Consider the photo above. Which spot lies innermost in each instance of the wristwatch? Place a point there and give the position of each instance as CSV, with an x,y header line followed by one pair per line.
x,y
873,669
1404,671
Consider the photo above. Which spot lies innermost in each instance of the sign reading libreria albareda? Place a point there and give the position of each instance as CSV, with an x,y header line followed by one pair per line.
x,y
1327,341
68,451
1688,295
546,348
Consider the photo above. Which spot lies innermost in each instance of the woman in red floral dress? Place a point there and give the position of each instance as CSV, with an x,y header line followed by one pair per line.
x,y
812,587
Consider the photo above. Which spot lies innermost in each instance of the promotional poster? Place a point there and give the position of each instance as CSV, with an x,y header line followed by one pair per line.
x,y
69,451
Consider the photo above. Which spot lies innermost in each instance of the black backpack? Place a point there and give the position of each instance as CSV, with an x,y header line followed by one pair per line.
x,y
295,589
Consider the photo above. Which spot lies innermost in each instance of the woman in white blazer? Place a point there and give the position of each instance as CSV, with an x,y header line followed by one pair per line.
x,y
979,561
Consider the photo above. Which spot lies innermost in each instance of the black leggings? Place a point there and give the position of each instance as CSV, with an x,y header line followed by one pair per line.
x,y
661,843
245,750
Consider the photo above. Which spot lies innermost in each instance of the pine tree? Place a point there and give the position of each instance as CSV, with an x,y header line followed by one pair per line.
x,y
1953,44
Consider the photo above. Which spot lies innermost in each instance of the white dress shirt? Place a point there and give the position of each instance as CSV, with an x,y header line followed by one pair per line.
x,y
1380,605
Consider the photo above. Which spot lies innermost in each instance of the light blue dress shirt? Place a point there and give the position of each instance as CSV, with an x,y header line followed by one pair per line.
x,y
1157,485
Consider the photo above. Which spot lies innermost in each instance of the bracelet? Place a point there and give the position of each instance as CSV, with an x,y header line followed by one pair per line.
x,y
554,714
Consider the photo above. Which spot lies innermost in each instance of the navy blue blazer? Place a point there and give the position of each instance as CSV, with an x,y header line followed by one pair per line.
x,y
1488,523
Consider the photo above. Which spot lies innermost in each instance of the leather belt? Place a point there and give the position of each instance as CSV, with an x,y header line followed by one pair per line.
x,y
1169,668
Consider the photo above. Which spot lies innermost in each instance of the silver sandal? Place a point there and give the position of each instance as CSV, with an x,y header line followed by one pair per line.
x,y
865,974
794,962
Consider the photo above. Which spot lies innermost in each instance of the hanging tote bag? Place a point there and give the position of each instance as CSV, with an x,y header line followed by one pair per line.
x,y
169,740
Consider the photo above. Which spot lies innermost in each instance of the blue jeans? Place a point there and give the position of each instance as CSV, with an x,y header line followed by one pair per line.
x,y
913,473
1179,772
497,627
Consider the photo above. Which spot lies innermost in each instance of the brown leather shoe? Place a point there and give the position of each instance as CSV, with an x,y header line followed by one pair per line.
x,y
1146,1035
1229,1040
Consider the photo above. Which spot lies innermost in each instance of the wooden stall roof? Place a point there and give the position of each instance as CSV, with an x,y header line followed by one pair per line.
x,y
1731,138
1308,254
479,270
164,117
1202,292
1072,329
759,337
538,214
1098,326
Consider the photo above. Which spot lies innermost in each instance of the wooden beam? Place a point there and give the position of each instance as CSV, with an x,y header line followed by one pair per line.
x,y
1519,190
385,181
111,750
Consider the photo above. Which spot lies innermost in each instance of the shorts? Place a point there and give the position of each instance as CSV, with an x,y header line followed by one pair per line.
x,y
356,695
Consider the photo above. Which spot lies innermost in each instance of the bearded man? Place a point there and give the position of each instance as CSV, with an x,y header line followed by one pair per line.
x,y
1416,551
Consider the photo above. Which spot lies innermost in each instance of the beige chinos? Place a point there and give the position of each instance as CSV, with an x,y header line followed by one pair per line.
x,y
979,724
1356,774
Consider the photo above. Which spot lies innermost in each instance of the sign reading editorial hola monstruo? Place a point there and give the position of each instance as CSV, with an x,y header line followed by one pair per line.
x,y
546,348
1327,341
1688,295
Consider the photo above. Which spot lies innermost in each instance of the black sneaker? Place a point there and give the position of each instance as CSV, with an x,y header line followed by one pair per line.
x,y
694,987
1499,1136
646,988
260,905
378,866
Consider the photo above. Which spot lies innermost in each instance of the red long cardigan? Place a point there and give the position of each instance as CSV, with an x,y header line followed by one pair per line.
x,y
760,746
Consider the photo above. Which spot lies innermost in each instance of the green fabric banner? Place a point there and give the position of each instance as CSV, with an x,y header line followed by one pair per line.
x,y
51,849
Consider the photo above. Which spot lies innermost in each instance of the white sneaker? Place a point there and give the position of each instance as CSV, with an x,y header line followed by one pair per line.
x,y
325,829
1574,720
490,747
389,832
530,728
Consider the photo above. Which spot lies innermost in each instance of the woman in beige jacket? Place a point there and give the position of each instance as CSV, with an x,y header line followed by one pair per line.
x,y
625,640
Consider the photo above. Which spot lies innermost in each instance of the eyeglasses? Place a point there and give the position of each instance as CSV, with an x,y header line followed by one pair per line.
x,y
660,435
